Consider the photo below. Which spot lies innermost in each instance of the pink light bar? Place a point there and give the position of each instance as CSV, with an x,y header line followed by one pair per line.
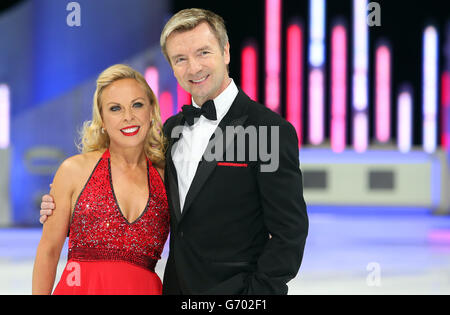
x,y
316,64
249,71
405,119
273,54
430,88
183,98
294,84
4,116
316,95
360,55
152,78
338,87
445,97
166,105
360,132
360,76
383,93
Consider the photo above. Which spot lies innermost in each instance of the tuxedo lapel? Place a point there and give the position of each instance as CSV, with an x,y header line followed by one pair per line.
x,y
236,116
174,194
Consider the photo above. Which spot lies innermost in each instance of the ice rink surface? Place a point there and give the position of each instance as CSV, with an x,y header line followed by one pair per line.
x,y
348,251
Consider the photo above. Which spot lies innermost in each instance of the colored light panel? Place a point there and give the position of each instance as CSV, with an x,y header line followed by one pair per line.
x,y
338,87
383,93
152,78
294,84
273,54
317,32
430,88
316,112
360,76
445,99
166,105
405,120
249,71
183,98
360,132
4,116
316,60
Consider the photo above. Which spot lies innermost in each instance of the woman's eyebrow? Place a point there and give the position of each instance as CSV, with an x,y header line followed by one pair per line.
x,y
115,103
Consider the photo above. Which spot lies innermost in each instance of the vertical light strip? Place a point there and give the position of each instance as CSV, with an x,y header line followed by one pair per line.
x,y
338,87
166,105
430,88
405,119
152,78
294,84
249,71
360,76
183,98
316,77
445,93
383,93
273,54
4,116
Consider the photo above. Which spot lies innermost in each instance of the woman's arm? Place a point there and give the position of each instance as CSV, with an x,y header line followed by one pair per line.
x,y
55,230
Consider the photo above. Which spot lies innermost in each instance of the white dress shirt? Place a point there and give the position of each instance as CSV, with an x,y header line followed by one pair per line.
x,y
189,150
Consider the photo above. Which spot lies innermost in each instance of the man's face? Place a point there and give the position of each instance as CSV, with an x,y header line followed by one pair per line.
x,y
198,63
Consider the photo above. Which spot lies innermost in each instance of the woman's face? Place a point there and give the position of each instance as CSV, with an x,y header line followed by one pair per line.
x,y
126,113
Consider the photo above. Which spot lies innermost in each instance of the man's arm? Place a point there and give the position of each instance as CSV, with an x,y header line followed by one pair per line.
x,y
285,215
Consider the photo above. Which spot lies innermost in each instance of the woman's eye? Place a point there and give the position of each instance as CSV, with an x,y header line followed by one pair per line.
x,y
114,108
138,104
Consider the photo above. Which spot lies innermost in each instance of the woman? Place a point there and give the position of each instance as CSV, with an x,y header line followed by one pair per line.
x,y
111,197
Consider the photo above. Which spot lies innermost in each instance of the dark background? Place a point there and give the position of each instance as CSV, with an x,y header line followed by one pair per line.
x,y
402,24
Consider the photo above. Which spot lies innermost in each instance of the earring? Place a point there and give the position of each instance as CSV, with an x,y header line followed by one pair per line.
x,y
103,130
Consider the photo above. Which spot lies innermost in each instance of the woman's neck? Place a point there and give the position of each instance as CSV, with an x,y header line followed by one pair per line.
x,y
128,157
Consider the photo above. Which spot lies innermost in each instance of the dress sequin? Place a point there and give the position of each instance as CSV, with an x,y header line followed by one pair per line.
x,y
99,231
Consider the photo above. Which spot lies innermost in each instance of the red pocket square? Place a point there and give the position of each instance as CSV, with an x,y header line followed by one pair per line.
x,y
232,164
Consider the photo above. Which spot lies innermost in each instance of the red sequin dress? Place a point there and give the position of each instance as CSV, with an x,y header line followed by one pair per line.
x,y
108,254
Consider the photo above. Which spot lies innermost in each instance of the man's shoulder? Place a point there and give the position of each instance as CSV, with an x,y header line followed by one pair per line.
x,y
171,122
260,115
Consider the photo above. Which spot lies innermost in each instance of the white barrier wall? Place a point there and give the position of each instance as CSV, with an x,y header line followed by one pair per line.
x,y
375,178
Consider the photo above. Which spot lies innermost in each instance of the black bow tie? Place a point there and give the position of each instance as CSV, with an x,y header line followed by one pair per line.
x,y
208,110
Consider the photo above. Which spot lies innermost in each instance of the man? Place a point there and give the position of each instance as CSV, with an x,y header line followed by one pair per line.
x,y
240,226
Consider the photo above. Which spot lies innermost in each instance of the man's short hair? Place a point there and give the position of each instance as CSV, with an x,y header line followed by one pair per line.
x,y
188,19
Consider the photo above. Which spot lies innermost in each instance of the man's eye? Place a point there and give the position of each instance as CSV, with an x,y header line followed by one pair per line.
x,y
204,53
178,60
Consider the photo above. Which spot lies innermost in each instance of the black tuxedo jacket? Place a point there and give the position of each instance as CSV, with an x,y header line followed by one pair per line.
x,y
241,231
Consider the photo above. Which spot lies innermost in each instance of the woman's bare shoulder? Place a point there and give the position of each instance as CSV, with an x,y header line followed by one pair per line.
x,y
80,163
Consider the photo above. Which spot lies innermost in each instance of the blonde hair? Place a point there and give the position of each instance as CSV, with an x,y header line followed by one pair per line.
x,y
92,137
188,19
